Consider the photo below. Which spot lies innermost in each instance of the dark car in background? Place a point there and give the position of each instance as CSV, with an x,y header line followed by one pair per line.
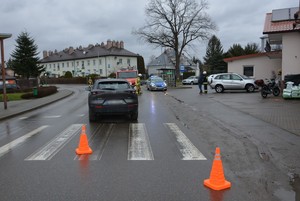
x,y
112,97
155,83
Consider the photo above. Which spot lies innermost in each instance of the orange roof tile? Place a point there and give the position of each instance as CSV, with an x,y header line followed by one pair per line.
x,y
278,26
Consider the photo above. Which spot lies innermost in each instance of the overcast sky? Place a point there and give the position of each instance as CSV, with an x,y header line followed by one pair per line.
x,y
59,24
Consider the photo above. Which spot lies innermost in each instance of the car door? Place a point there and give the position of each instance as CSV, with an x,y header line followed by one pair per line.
x,y
225,80
236,82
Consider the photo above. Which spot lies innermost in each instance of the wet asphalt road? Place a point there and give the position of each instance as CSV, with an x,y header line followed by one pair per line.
x,y
258,157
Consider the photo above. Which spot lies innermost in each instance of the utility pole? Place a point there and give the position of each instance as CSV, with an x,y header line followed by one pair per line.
x,y
2,37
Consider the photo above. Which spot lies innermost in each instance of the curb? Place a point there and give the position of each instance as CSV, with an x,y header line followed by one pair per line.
x,y
25,110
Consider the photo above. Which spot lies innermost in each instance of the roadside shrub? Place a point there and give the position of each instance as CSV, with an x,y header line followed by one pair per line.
x,y
41,92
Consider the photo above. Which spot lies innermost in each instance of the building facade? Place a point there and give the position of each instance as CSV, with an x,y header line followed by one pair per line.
x,y
167,60
101,59
281,48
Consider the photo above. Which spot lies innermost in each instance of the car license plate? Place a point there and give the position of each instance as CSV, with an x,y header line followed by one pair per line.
x,y
114,102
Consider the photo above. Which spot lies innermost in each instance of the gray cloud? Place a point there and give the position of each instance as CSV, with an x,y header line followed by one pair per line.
x,y
57,24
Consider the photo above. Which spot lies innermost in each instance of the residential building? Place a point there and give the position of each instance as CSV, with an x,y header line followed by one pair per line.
x,y
167,61
281,53
102,59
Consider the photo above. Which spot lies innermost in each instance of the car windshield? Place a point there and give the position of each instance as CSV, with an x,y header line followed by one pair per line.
x,y
113,85
157,80
245,77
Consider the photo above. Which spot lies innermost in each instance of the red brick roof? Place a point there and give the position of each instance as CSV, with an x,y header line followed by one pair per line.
x,y
278,26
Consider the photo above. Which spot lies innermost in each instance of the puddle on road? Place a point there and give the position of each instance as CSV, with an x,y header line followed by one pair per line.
x,y
285,195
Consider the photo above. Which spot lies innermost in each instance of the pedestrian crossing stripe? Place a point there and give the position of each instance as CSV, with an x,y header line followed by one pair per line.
x,y
138,144
139,147
8,147
186,147
54,146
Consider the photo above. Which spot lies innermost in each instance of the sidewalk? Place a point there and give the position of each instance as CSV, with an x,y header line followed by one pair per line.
x,y
18,107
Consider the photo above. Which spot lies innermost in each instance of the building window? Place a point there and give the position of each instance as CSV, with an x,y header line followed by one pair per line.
x,y
248,71
94,62
120,61
101,72
128,62
67,64
82,63
88,62
77,63
100,61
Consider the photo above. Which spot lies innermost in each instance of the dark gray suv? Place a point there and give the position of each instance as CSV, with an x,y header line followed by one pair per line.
x,y
112,97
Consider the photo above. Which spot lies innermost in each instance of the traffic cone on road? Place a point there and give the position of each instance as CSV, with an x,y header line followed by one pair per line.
x,y
217,180
83,147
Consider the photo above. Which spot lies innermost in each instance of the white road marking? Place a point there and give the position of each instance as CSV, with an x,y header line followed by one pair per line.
x,y
138,144
21,118
53,147
6,148
187,149
52,117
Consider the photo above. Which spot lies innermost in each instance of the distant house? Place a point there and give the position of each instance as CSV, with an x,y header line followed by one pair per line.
x,y
167,60
281,48
98,59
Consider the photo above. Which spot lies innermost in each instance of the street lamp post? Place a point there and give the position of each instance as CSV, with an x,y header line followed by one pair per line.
x,y
2,37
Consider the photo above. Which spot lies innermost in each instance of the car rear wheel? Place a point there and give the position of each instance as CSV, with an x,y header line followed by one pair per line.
x,y
250,88
134,116
192,83
219,88
92,116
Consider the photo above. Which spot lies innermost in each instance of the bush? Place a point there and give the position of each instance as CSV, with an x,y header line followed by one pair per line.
x,y
41,92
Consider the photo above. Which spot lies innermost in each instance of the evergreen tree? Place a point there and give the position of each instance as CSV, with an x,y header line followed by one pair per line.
x,y
251,48
213,59
25,61
235,50
141,65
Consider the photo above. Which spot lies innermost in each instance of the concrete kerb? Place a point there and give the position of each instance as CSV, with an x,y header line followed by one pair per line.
x,y
39,103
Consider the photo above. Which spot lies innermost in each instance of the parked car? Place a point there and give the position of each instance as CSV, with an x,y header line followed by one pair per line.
x,y
112,97
156,83
190,80
231,81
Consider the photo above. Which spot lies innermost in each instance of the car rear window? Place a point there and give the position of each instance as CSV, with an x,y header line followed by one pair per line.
x,y
113,85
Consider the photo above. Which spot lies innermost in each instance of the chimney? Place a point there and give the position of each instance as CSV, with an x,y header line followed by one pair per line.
x,y
114,43
118,44
109,44
45,54
71,50
121,44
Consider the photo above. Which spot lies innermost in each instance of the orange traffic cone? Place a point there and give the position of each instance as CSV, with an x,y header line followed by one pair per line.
x,y
83,147
217,180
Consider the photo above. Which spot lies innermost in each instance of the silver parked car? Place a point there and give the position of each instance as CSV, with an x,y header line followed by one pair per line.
x,y
190,80
231,81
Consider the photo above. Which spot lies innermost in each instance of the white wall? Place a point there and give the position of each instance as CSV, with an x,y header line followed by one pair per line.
x,y
263,66
290,53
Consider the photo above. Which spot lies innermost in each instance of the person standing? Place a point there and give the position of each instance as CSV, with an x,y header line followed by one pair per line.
x,y
205,82
200,82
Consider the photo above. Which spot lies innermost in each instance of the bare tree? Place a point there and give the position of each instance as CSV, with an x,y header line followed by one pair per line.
x,y
175,24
